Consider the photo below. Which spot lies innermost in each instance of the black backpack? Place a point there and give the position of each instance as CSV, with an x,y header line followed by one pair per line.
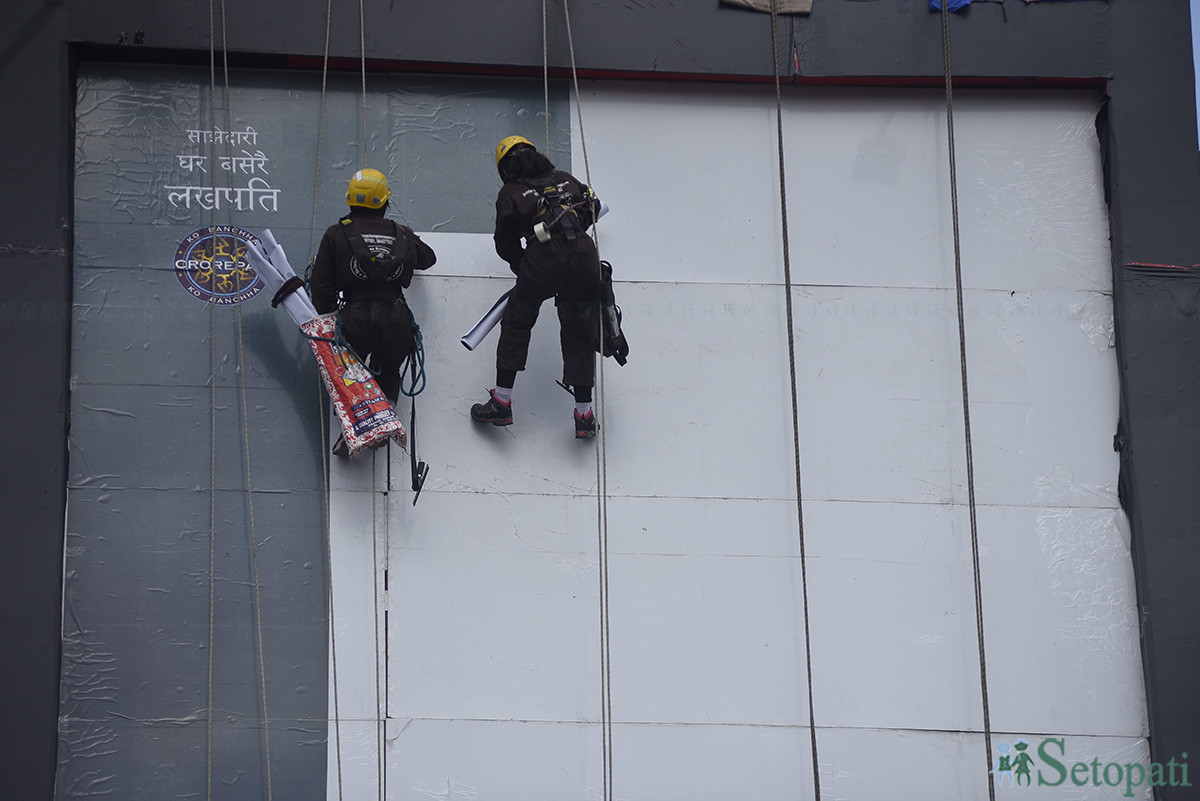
x,y
378,268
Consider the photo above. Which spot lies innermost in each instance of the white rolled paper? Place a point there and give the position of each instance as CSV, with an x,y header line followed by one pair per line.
x,y
486,323
489,320
271,264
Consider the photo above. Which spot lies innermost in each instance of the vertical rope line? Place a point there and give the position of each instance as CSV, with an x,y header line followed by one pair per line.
x,y
380,712
337,717
546,75
791,340
323,419
601,472
312,242
578,103
262,670
212,382
362,49
966,404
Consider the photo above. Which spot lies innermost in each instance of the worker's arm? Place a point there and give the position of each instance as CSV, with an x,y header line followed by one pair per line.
x,y
508,230
419,256
322,285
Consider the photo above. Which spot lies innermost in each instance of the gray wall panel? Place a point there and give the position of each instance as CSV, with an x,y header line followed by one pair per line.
x,y
141,328
136,642
146,353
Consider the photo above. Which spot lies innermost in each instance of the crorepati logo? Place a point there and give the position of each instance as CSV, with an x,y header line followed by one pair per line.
x,y
211,265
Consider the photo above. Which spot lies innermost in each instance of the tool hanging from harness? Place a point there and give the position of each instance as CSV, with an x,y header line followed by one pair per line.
x,y
597,321
612,338
558,210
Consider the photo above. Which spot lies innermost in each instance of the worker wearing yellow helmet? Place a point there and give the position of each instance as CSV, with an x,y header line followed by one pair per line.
x,y
364,263
507,144
542,217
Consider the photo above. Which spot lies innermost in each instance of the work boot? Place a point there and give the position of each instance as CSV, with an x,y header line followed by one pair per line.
x,y
585,425
495,411
340,448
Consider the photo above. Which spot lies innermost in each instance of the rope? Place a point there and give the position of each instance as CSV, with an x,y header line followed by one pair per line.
x,y
362,49
323,417
312,242
791,338
262,668
337,719
962,356
601,469
379,711
578,103
414,366
546,76
245,433
212,383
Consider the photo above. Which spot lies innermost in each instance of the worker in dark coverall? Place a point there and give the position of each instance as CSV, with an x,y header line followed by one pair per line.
x,y
550,210
363,265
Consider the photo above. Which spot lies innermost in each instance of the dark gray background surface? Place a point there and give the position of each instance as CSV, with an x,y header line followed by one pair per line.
x,y
145,354
1141,47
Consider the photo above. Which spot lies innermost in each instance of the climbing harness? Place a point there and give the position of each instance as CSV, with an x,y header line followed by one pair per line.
x,y
557,209
387,275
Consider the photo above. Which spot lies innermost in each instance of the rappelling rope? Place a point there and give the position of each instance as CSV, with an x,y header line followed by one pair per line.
x,y
323,418
245,426
546,77
601,463
791,339
312,242
962,355
380,712
212,384
340,340
362,50
262,669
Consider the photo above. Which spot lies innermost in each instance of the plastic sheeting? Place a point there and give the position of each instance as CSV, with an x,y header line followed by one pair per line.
x,y
466,628
188,390
493,611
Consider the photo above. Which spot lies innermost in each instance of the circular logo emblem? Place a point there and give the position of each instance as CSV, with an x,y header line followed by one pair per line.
x,y
210,263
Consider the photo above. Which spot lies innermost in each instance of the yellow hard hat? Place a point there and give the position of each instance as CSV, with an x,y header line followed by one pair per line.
x,y
368,188
507,144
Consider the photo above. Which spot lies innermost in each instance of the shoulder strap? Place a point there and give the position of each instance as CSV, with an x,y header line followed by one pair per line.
x,y
358,245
